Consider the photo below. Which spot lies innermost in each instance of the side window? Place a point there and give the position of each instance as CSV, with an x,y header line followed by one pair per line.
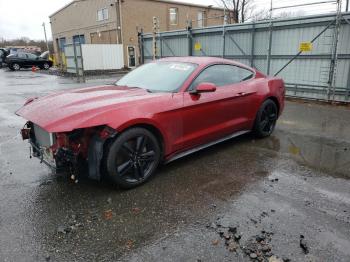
x,y
31,56
61,43
241,74
222,75
21,55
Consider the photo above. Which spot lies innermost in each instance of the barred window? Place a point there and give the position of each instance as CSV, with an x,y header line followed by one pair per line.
x,y
102,14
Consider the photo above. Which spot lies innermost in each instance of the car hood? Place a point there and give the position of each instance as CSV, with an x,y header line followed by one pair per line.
x,y
80,108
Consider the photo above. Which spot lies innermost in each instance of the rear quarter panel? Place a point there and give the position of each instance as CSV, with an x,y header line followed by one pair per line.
x,y
277,90
265,88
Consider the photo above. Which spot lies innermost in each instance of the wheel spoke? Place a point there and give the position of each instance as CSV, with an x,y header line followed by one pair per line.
x,y
269,110
128,148
148,156
138,171
140,143
272,117
136,158
263,124
124,168
268,118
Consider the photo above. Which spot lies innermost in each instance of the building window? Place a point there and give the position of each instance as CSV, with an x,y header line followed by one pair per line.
x,y
79,39
201,18
173,17
102,14
61,43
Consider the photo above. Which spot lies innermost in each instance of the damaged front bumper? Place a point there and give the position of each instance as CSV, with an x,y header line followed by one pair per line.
x,y
61,152
41,153
42,146
62,160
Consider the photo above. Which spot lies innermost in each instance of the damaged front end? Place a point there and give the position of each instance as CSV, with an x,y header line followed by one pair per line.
x,y
69,151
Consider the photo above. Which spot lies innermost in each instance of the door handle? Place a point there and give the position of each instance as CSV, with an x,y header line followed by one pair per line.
x,y
241,94
245,93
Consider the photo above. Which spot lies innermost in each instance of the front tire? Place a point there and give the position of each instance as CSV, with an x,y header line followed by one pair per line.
x,y
14,67
266,118
133,157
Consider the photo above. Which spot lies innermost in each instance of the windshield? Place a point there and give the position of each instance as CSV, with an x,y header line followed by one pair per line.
x,y
45,54
158,76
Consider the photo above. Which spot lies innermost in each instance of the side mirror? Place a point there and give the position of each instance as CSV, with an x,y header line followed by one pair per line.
x,y
204,88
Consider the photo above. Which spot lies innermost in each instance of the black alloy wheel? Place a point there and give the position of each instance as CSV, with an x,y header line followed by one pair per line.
x,y
266,118
133,157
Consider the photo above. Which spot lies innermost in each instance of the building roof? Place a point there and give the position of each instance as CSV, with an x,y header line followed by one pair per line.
x,y
188,4
65,6
162,1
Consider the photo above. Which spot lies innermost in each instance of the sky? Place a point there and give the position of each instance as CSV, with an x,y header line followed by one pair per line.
x,y
24,18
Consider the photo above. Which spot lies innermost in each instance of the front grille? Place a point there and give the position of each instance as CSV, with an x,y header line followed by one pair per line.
x,y
42,137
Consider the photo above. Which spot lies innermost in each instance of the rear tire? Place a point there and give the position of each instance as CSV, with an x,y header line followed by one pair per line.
x,y
266,118
132,157
46,66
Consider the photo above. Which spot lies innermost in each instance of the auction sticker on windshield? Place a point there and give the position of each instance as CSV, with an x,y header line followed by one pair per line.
x,y
180,67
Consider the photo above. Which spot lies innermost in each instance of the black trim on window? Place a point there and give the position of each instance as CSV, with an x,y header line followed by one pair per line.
x,y
190,88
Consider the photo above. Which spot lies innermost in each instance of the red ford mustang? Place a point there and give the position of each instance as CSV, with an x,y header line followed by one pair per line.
x,y
157,113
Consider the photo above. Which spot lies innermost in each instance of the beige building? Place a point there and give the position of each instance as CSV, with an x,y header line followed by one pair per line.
x,y
118,21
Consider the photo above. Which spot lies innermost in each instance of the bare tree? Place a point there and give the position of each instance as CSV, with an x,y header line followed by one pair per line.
x,y
239,10
264,14
25,41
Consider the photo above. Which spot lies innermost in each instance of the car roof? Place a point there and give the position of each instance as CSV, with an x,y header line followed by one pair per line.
x,y
203,60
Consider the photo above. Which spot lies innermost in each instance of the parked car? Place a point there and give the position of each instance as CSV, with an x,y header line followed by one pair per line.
x,y
157,113
27,60
3,53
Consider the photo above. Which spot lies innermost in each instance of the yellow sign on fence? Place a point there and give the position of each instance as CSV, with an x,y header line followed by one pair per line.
x,y
305,46
197,46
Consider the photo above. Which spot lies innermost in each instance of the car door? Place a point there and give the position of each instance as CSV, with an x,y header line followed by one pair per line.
x,y
32,60
21,59
210,116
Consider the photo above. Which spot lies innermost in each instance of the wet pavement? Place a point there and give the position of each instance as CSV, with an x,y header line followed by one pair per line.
x,y
296,182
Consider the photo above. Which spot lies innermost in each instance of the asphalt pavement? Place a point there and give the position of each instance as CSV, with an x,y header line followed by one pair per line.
x,y
279,198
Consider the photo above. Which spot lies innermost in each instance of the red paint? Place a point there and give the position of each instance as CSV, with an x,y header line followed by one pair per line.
x,y
183,119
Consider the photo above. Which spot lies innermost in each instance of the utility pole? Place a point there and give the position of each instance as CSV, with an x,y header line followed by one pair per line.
x,y
47,44
334,59
155,29
225,17
270,41
347,6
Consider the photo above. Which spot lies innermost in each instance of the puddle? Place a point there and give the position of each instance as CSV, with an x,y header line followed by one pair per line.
x,y
323,154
